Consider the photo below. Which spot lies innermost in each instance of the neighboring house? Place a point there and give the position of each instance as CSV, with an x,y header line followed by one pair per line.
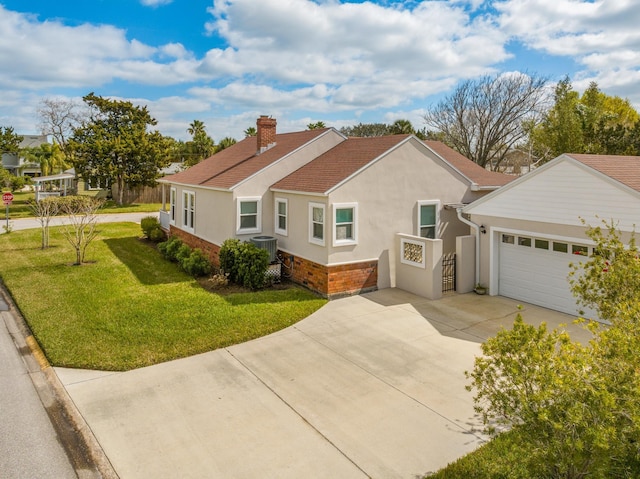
x,y
62,184
334,204
16,165
534,226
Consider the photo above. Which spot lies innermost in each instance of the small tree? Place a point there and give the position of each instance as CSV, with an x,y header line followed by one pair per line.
x,y
609,281
80,230
575,406
43,210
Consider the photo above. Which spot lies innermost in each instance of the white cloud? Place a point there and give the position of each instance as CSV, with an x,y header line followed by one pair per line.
x,y
45,54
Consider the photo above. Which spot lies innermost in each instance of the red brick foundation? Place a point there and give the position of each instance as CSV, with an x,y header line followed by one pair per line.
x,y
330,281
333,281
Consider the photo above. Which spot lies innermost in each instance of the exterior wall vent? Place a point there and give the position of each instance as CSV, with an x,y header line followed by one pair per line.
x,y
268,243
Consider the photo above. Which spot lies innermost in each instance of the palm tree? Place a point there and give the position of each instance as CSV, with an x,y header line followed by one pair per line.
x,y
226,142
251,131
401,127
316,126
196,127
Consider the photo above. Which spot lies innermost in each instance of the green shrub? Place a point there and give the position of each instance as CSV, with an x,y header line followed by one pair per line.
x,y
157,234
17,183
170,248
229,253
148,224
196,264
252,266
244,263
183,252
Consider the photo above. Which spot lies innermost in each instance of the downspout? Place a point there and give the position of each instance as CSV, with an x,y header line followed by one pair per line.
x,y
477,228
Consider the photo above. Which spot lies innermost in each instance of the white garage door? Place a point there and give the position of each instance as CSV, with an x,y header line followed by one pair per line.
x,y
535,270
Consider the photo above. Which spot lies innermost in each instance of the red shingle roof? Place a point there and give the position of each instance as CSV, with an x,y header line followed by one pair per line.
x,y
473,171
337,164
238,162
625,169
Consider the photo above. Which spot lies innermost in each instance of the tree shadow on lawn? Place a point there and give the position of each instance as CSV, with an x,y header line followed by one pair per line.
x,y
144,262
235,295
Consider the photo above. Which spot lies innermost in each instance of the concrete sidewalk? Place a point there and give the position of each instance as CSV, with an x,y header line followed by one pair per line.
x,y
368,386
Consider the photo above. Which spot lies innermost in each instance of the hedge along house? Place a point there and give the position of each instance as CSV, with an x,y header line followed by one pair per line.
x,y
335,205
534,226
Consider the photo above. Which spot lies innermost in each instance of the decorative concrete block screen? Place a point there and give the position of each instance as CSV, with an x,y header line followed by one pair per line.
x,y
419,269
412,253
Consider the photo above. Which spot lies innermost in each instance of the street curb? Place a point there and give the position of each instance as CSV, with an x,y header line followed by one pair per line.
x,y
90,450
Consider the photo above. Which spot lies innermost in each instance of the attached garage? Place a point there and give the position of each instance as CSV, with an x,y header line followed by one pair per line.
x,y
535,270
532,229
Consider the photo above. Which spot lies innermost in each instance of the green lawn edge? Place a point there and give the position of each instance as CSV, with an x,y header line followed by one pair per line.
x,y
128,307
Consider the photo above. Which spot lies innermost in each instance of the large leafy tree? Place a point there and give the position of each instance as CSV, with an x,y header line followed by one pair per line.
x,y
366,130
593,122
485,118
9,140
114,144
574,408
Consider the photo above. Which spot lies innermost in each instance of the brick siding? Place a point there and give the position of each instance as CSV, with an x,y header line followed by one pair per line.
x,y
333,281
329,281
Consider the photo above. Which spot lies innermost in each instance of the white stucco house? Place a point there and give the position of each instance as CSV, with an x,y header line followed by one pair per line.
x,y
335,205
532,228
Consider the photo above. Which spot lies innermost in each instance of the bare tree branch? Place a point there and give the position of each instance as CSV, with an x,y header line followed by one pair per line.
x,y
485,118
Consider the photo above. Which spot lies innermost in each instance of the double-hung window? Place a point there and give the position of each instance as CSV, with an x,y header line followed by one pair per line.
x,y
172,205
189,210
281,216
345,226
316,223
249,218
428,216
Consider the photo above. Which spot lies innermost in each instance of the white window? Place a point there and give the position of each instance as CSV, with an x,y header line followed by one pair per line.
x,y
316,223
281,216
345,225
189,210
428,216
249,218
172,205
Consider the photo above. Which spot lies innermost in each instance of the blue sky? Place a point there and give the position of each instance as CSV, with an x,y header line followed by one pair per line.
x,y
225,62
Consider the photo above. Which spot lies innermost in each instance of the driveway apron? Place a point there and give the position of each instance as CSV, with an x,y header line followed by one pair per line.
x,y
368,386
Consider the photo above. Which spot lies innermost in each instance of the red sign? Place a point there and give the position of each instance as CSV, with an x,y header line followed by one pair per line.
x,y
7,198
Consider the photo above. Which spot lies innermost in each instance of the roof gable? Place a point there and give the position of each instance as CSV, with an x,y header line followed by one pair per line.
x,y
338,164
563,191
235,164
624,169
345,160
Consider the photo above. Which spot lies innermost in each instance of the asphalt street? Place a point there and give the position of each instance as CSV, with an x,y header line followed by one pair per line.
x,y
29,444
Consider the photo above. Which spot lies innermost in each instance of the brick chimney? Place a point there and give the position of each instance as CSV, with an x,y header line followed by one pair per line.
x,y
266,133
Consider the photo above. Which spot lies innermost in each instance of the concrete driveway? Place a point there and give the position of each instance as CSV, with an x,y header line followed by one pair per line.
x,y
368,386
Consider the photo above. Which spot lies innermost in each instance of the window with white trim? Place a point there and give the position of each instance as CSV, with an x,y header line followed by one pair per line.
x,y
428,217
281,216
172,205
249,218
345,223
316,223
189,210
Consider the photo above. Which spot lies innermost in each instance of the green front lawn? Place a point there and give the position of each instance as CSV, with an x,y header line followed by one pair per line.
x,y
19,208
129,307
